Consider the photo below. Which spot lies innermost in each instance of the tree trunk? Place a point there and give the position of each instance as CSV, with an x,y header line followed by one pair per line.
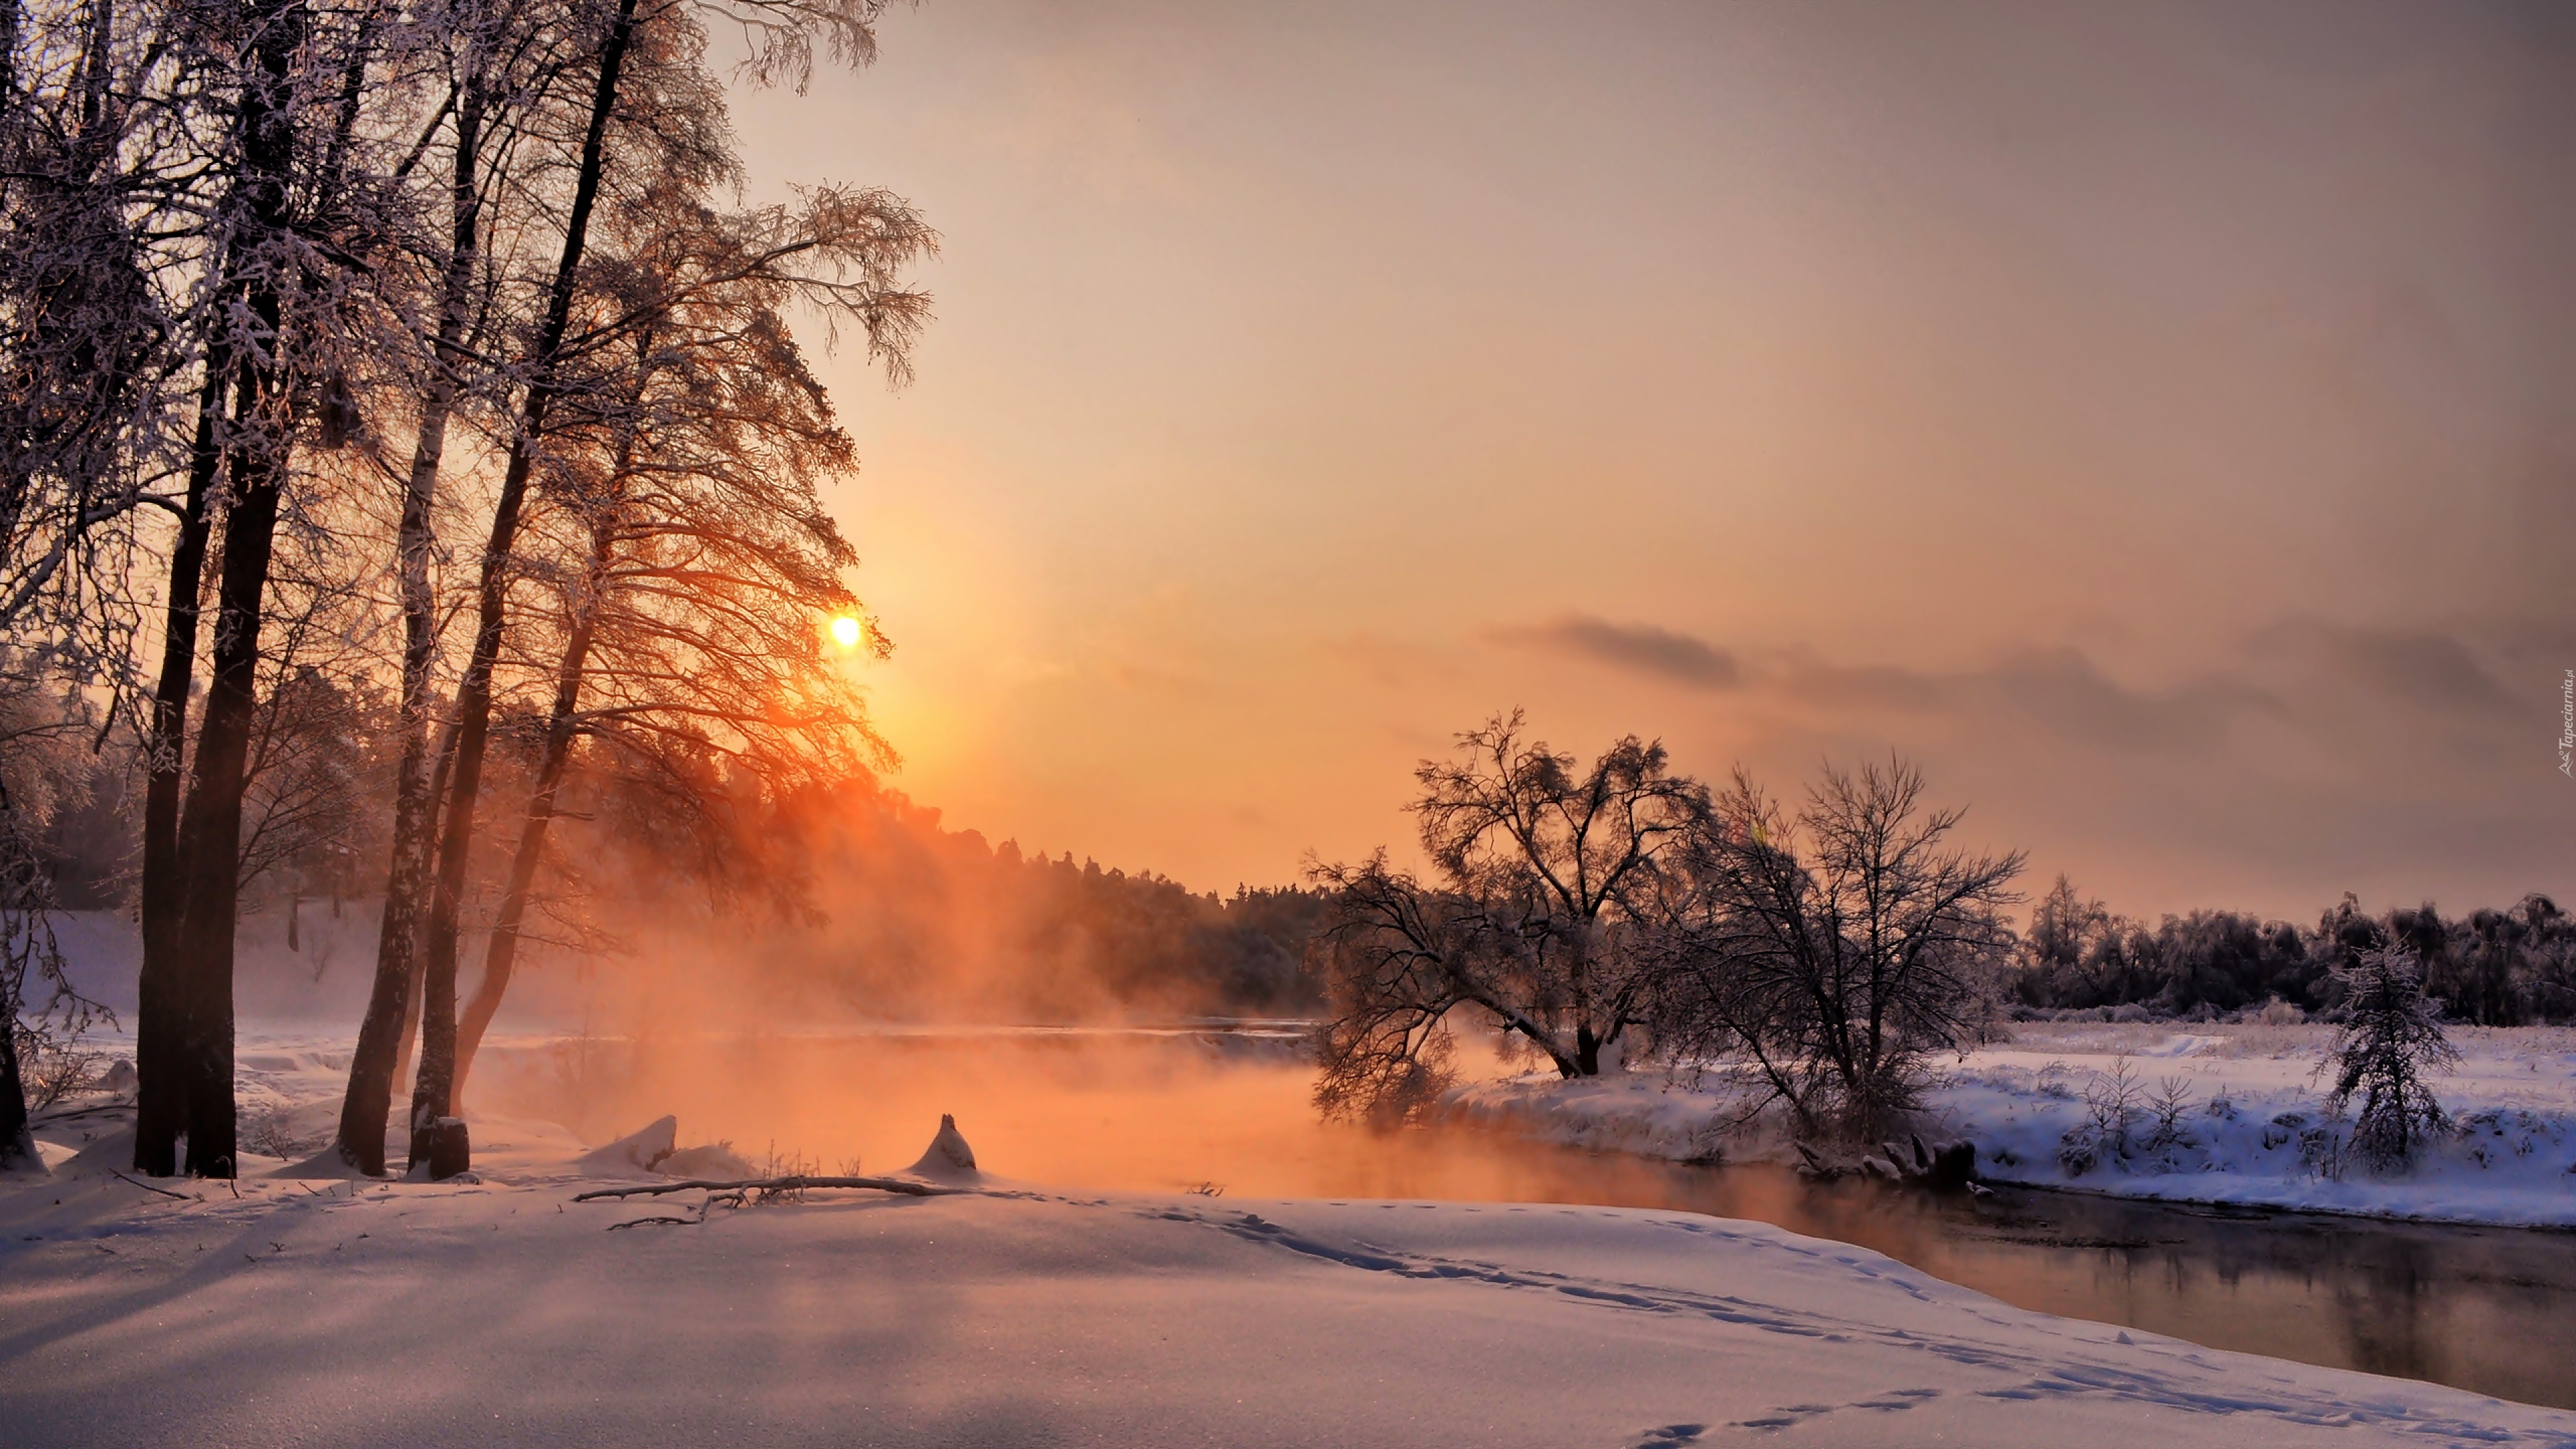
x,y
431,1094
409,1047
502,953
210,824
210,819
394,1005
16,1145
160,1028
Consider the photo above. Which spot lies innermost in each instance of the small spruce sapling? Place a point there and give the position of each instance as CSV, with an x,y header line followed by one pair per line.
x,y
2168,1104
2387,1045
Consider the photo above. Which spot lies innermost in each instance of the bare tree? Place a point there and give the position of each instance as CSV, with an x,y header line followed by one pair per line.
x,y
1835,949
1546,874
41,758
705,563
84,324
506,74
680,113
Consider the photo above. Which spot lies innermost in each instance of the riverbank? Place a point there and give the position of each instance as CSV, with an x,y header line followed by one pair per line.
x,y
503,1311
2248,1125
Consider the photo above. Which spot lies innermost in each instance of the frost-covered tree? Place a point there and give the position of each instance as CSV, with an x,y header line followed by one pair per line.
x,y
690,554
649,108
2389,1042
41,1012
1837,947
1546,873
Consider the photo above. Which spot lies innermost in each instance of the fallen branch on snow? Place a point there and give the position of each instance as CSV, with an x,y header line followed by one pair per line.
x,y
165,1192
903,1185
644,1222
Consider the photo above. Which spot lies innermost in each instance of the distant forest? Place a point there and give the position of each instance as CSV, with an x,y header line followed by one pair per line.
x,y
906,917
2490,967
855,889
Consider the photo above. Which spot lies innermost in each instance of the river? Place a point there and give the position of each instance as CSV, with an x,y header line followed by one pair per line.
x,y
2490,1310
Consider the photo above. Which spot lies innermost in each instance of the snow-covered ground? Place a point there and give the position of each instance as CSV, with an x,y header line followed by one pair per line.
x,y
323,1312
2252,1128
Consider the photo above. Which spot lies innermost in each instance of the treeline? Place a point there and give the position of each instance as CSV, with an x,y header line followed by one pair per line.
x,y
895,915
2491,967
401,426
1828,948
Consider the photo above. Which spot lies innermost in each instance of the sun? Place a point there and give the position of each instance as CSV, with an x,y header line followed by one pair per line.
x,y
845,631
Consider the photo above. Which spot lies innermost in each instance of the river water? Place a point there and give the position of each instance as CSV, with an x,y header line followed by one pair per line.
x,y
2491,1310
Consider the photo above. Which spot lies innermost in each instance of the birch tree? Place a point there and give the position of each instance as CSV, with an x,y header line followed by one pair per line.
x,y
702,565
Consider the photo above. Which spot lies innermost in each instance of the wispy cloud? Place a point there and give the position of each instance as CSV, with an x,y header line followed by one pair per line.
x,y
1638,648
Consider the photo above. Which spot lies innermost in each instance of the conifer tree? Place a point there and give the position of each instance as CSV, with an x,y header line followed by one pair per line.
x,y
2383,1052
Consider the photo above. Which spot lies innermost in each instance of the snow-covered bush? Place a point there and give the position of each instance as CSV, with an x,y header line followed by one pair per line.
x,y
2390,1039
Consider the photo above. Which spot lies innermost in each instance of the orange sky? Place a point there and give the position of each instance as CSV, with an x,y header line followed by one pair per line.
x,y
2160,420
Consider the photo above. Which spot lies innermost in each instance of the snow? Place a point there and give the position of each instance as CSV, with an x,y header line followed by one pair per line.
x,y
302,1313
295,1310
2255,1131
634,1154
947,1159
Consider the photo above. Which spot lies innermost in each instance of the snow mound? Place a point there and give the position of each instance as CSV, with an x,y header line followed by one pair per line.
x,y
948,1158
327,1165
715,1160
113,1152
639,1151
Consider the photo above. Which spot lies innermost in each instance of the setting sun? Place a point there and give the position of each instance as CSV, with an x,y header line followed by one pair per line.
x,y
845,632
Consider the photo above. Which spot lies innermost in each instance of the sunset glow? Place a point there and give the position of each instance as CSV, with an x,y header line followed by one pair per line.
x,y
1896,389
1480,724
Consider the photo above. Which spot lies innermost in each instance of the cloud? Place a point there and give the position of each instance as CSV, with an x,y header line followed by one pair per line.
x,y
1638,648
2062,689
2424,669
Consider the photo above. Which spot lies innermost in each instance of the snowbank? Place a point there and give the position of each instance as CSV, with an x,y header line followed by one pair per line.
x,y
2252,1128
502,1312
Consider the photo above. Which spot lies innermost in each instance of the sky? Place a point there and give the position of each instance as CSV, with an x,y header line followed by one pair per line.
x,y
2159,422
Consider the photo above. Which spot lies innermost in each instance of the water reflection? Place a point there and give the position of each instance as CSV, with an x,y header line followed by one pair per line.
x,y
2492,1310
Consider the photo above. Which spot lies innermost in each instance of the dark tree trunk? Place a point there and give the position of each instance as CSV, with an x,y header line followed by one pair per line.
x,y
431,1093
394,1006
210,819
210,824
16,1145
160,1027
